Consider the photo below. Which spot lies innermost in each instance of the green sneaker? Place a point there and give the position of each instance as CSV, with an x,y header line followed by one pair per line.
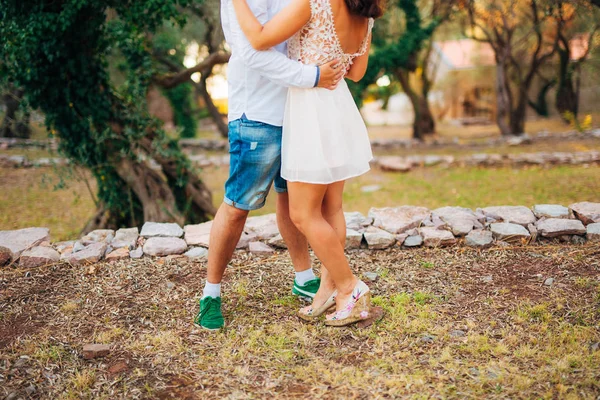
x,y
210,317
308,290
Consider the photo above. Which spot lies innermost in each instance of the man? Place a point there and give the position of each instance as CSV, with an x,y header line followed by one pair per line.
x,y
258,84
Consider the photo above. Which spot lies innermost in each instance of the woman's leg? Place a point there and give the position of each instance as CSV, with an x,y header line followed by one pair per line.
x,y
332,211
306,203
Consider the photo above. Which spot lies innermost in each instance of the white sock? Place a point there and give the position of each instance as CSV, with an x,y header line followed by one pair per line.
x,y
305,276
211,290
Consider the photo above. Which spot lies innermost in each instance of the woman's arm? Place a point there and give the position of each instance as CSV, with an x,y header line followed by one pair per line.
x,y
279,29
359,66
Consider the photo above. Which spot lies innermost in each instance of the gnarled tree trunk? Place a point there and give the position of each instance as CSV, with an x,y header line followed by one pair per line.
x,y
14,124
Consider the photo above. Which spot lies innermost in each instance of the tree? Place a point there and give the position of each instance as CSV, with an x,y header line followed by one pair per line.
x,y
170,45
57,52
15,123
573,18
404,54
516,32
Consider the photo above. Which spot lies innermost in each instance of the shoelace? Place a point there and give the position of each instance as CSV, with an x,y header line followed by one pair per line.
x,y
210,303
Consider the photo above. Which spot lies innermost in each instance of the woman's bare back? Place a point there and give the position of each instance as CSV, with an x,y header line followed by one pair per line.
x,y
351,29
331,33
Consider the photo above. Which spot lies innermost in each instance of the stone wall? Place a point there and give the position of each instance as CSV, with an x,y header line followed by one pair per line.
x,y
401,227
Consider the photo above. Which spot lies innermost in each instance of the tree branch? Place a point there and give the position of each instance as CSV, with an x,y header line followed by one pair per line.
x,y
171,80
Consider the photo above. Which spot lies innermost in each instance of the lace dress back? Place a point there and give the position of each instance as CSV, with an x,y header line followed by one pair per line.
x,y
318,43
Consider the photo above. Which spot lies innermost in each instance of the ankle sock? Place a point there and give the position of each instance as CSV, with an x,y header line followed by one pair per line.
x,y
305,276
211,290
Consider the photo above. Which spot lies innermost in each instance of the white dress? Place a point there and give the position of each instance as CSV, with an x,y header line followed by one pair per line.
x,y
325,139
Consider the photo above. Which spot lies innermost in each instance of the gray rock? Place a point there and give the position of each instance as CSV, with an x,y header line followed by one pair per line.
x,y
90,254
264,226
550,211
593,232
125,237
578,240
197,252
277,242
401,238
433,237
427,339
161,229
533,231
513,214
198,235
394,164
474,371
479,238
99,235
63,246
508,232
20,240
246,238
457,333
398,219
137,253
413,241
487,279
38,256
372,276
356,221
260,248
118,254
353,239
78,246
555,227
586,212
6,256
370,188
164,246
379,239
460,220
109,250
549,282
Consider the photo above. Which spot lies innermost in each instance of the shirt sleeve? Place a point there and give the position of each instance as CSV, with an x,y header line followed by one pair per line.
x,y
270,64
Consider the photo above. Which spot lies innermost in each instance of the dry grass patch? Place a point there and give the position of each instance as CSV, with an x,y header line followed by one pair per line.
x,y
446,332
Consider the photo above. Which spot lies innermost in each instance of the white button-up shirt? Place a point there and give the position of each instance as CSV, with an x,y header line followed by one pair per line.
x,y
258,80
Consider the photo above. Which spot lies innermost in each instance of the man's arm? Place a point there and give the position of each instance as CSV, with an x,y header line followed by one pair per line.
x,y
272,64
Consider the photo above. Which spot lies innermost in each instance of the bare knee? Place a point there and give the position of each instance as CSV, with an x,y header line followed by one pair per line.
x,y
301,218
330,209
233,215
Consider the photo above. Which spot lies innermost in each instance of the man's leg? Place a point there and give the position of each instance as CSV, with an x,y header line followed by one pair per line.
x,y
294,239
306,284
225,233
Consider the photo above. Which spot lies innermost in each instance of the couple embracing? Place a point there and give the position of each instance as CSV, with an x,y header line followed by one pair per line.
x,y
294,124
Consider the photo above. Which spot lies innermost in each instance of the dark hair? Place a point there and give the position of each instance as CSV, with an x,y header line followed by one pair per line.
x,y
366,8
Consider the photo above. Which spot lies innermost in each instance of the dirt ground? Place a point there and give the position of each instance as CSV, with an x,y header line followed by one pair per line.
x,y
459,323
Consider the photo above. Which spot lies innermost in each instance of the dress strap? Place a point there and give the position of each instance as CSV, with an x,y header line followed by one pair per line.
x,y
365,43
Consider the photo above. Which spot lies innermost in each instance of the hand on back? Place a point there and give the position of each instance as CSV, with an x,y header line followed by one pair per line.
x,y
331,74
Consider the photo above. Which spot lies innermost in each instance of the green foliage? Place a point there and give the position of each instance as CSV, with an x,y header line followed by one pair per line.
x,y
57,51
181,99
392,51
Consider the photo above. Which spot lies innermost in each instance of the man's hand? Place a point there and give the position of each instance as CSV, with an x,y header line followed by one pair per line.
x,y
331,74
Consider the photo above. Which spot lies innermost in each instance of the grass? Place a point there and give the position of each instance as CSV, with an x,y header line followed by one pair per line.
x,y
29,197
520,339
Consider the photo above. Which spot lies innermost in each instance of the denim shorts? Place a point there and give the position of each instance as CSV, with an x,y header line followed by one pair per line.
x,y
255,163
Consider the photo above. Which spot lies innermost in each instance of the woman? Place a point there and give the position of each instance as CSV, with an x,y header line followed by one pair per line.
x,y
325,140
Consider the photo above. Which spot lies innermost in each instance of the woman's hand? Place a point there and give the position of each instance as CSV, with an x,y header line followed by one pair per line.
x,y
279,29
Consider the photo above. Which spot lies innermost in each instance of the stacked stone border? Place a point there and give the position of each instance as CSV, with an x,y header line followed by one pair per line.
x,y
386,163
382,228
